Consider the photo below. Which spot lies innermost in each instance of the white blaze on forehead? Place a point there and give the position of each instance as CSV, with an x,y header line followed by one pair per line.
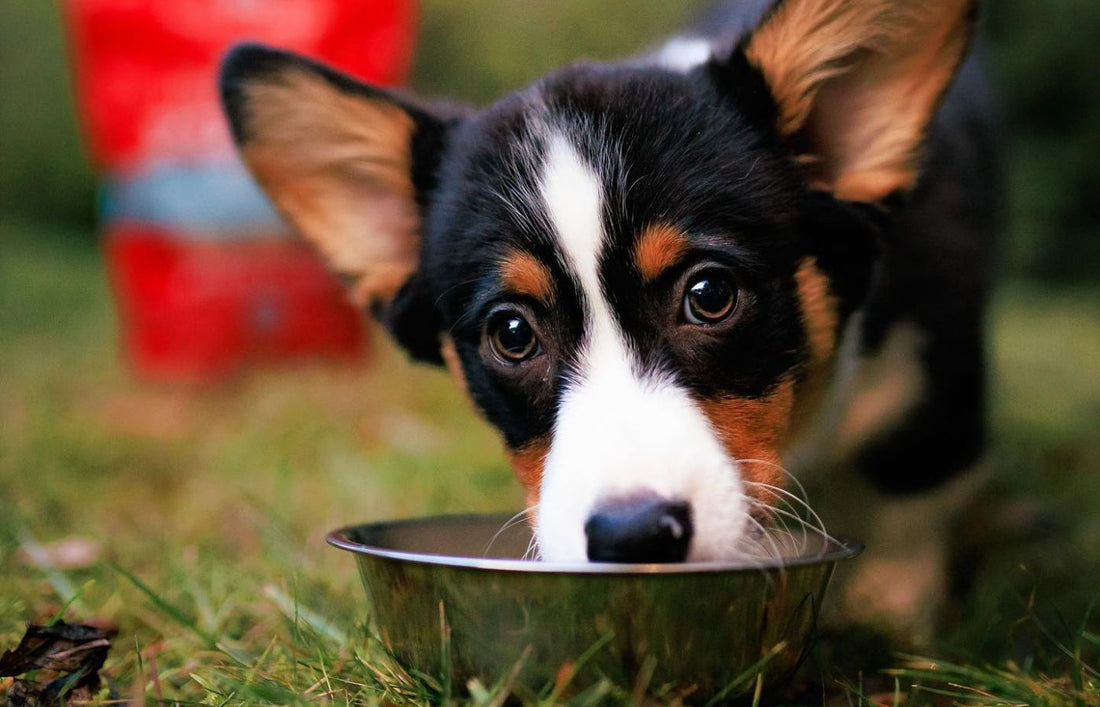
x,y
615,433
574,197
574,201
683,53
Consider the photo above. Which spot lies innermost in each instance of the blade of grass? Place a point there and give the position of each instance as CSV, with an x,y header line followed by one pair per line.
x,y
72,600
754,669
645,676
559,687
295,612
209,686
759,689
445,658
169,609
504,687
987,685
595,695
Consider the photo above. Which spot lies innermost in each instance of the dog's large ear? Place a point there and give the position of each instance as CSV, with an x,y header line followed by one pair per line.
x,y
856,83
348,165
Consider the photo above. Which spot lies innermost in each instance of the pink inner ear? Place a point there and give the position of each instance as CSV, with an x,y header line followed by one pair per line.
x,y
858,83
338,167
863,141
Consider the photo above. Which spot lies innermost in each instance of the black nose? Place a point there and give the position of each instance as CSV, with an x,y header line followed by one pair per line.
x,y
643,528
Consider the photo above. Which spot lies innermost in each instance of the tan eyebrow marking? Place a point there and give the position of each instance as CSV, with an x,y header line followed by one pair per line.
x,y
523,274
660,246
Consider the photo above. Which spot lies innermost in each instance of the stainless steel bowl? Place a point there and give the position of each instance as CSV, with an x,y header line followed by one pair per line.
x,y
451,598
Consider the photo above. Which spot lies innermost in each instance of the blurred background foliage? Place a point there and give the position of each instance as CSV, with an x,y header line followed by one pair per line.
x,y
1044,57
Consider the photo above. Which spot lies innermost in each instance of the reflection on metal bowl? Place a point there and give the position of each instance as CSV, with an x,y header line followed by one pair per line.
x,y
451,595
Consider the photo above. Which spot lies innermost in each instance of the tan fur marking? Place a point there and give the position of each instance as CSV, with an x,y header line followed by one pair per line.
x,y
338,166
659,247
454,365
819,320
753,431
523,274
528,462
860,80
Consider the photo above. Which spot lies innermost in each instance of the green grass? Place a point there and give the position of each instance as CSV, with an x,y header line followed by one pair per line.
x,y
201,511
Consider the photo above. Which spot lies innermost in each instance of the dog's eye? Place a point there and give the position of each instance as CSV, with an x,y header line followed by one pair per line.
x,y
512,337
710,297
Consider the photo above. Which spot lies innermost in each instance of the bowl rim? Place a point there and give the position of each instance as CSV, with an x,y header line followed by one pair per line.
x,y
341,538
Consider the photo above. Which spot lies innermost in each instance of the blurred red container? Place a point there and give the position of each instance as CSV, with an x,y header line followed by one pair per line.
x,y
193,310
205,275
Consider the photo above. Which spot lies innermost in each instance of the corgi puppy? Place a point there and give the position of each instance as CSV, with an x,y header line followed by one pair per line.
x,y
664,280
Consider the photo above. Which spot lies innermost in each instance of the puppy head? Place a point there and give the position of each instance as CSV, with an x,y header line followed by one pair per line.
x,y
637,273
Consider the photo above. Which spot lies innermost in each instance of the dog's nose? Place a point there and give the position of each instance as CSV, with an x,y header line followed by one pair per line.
x,y
640,528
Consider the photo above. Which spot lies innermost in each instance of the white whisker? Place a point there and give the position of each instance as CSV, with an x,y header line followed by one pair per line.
x,y
800,536
800,497
510,523
771,551
792,518
532,551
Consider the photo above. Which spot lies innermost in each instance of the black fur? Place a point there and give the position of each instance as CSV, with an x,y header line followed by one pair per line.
x,y
691,159
935,273
695,150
